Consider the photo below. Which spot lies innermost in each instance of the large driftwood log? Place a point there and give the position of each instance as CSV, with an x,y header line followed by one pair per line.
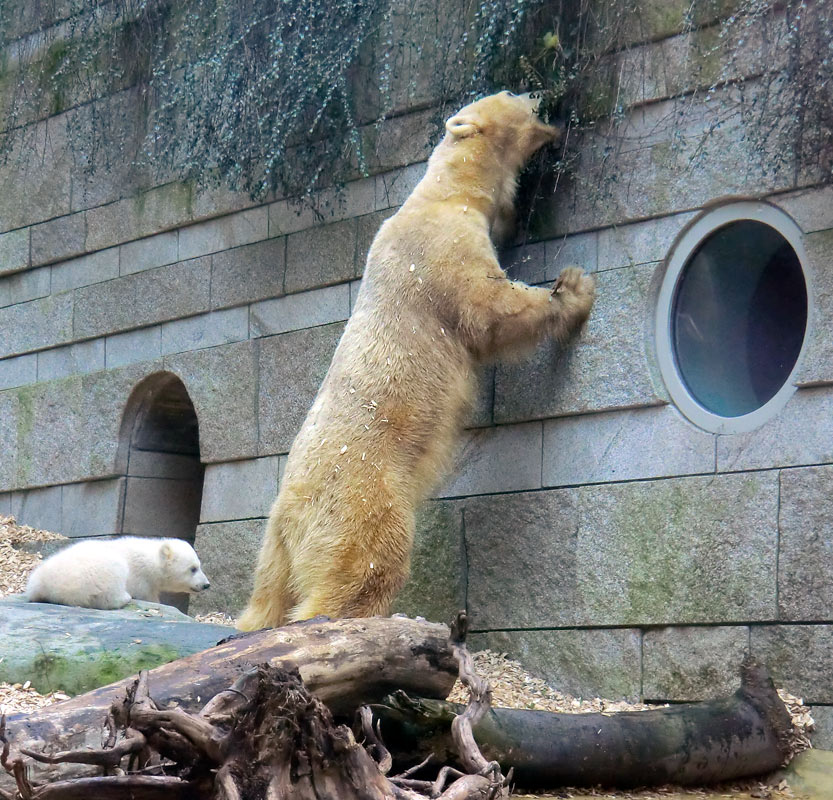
x,y
692,744
345,663
264,737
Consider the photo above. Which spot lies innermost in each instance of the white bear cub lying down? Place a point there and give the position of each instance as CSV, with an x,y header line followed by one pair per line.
x,y
110,573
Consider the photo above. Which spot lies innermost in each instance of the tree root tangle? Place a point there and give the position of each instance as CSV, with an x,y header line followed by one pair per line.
x,y
264,738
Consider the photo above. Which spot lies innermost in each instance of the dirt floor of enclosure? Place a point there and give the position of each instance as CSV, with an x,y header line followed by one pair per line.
x,y
512,687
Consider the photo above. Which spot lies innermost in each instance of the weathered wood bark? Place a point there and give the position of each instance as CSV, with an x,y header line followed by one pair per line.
x,y
264,738
346,663
692,744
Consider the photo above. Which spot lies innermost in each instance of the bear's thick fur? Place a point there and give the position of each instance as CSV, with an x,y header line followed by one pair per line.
x,y
109,573
433,303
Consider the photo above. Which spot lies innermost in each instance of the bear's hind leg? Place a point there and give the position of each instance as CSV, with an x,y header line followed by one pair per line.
x,y
364,580
271,596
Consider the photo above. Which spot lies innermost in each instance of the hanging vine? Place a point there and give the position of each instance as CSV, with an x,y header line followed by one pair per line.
x,y
284,98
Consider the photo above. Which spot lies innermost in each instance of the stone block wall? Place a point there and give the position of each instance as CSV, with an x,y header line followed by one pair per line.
x,y
589,528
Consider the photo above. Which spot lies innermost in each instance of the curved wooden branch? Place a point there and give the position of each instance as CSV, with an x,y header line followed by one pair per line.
x,y
480,701
729,738
134,742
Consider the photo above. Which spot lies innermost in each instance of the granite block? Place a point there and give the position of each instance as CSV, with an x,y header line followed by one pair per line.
x,y
798,658
290,216
39,508
93,268
812,209
73,359
35,324
22,286
805,545
436,586
303,310
292,366
205,330
18,370
691,664
145,298
59,239
228,553
248,273
92,509
801,433
222,383
640,242
132,347
240,489
14,250
816,364
321,256
153,251
624,445
9,425
673,551
223,233
604,367
502,459
40,161
582,663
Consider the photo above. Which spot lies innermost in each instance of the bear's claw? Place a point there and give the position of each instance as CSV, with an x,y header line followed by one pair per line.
x,y
571,279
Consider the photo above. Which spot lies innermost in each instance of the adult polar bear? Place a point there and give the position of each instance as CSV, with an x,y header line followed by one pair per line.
x,y
433,303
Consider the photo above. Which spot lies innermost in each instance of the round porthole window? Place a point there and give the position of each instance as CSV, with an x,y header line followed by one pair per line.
x,y
732,316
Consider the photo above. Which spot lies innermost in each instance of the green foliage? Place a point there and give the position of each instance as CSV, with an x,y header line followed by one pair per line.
x,y
284,98
267,97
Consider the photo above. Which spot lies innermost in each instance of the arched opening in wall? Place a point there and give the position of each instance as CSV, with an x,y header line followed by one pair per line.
x,y
160,456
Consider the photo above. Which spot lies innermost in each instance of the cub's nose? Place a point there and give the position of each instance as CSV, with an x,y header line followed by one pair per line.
x,y
206,585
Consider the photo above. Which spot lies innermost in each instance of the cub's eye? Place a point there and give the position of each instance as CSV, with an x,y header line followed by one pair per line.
x,y
193,570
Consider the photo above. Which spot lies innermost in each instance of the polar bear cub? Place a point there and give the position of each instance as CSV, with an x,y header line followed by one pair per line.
x,y
110,573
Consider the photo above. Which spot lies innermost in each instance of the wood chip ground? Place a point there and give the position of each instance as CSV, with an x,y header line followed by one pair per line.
x,y
512,686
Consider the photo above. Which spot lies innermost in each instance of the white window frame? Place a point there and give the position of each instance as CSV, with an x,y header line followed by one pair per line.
x,y
682,250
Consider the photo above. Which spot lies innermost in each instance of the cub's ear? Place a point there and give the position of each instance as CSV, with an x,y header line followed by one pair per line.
x,y
166,551
461,126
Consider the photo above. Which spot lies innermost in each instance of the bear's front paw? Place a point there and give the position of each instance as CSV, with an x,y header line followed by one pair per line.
x,y
572,280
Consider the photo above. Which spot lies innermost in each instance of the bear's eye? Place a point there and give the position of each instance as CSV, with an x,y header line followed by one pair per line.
x,y
193,570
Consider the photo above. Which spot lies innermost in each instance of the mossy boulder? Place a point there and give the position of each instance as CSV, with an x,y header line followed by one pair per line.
x,y
75,650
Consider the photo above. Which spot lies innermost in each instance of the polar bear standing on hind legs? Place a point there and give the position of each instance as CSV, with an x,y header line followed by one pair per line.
x,y
433,303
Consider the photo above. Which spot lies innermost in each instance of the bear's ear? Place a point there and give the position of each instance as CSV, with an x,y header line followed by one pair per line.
x,y
461,126
166,551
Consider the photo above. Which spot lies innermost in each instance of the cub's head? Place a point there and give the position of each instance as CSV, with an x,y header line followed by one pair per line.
x,y
508,123
181,567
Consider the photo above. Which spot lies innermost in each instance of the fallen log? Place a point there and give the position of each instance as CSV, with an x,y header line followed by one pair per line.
x,y
345,663
266,736
729,738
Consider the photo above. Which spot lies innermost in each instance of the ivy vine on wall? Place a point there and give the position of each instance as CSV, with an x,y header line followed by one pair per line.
x,y
282,98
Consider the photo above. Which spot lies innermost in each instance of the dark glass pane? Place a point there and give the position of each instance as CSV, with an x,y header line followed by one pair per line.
x,y
739,316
